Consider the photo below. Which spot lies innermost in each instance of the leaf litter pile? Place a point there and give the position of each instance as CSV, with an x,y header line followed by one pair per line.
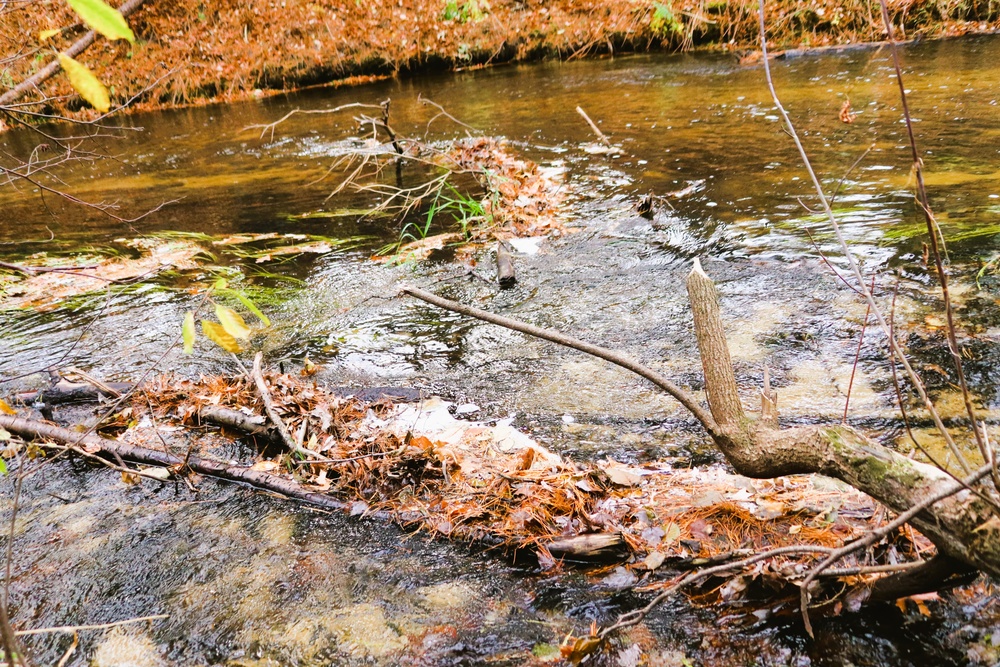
x,y
417,465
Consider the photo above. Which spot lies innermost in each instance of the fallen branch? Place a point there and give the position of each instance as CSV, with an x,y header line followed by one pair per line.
x,y
31,429
293,446
964,527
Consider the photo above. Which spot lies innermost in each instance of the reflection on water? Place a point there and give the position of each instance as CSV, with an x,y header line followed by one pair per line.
x,y
247,580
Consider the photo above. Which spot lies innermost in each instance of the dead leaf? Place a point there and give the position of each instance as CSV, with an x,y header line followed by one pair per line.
x,y
654,560
6,409
700,529
622,476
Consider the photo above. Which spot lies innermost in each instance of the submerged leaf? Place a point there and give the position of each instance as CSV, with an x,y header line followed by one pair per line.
x,y
85,83
232,322
103,18
218,335
188,332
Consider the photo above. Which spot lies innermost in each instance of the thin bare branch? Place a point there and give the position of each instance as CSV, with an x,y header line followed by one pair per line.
x,y
851,260
683,397
933,230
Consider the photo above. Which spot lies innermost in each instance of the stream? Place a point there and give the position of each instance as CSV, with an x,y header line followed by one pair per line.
x,y
248,579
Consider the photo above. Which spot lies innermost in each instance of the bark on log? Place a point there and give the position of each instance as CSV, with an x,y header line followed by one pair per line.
x,y
592,547
68,392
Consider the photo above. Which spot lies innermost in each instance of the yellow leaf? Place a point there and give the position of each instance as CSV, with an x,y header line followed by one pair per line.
x,y
6,409
44,35
188,332
103,18
218,335
232,322
85,83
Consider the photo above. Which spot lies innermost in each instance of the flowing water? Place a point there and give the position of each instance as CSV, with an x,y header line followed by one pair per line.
x,y
248,580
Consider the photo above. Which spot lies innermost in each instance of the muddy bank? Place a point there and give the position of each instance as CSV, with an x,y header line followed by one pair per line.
x,y
198,53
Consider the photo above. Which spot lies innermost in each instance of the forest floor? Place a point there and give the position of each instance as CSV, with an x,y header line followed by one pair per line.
x,y
189,52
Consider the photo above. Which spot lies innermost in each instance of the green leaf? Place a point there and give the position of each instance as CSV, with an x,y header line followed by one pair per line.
x,y
221,283
103,18
232,322
250,306
219,336
85,83
3,464
188,332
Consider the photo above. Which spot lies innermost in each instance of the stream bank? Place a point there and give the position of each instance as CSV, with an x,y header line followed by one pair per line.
x,y
200,53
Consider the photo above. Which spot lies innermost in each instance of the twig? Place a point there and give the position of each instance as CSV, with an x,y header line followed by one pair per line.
x,y
872,569
77,628
683,397
600,135
857,357
876,535
441,112
272,413
636,616
270,127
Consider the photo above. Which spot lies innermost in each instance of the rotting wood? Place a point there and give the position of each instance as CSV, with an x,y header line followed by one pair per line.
x,y
589,547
